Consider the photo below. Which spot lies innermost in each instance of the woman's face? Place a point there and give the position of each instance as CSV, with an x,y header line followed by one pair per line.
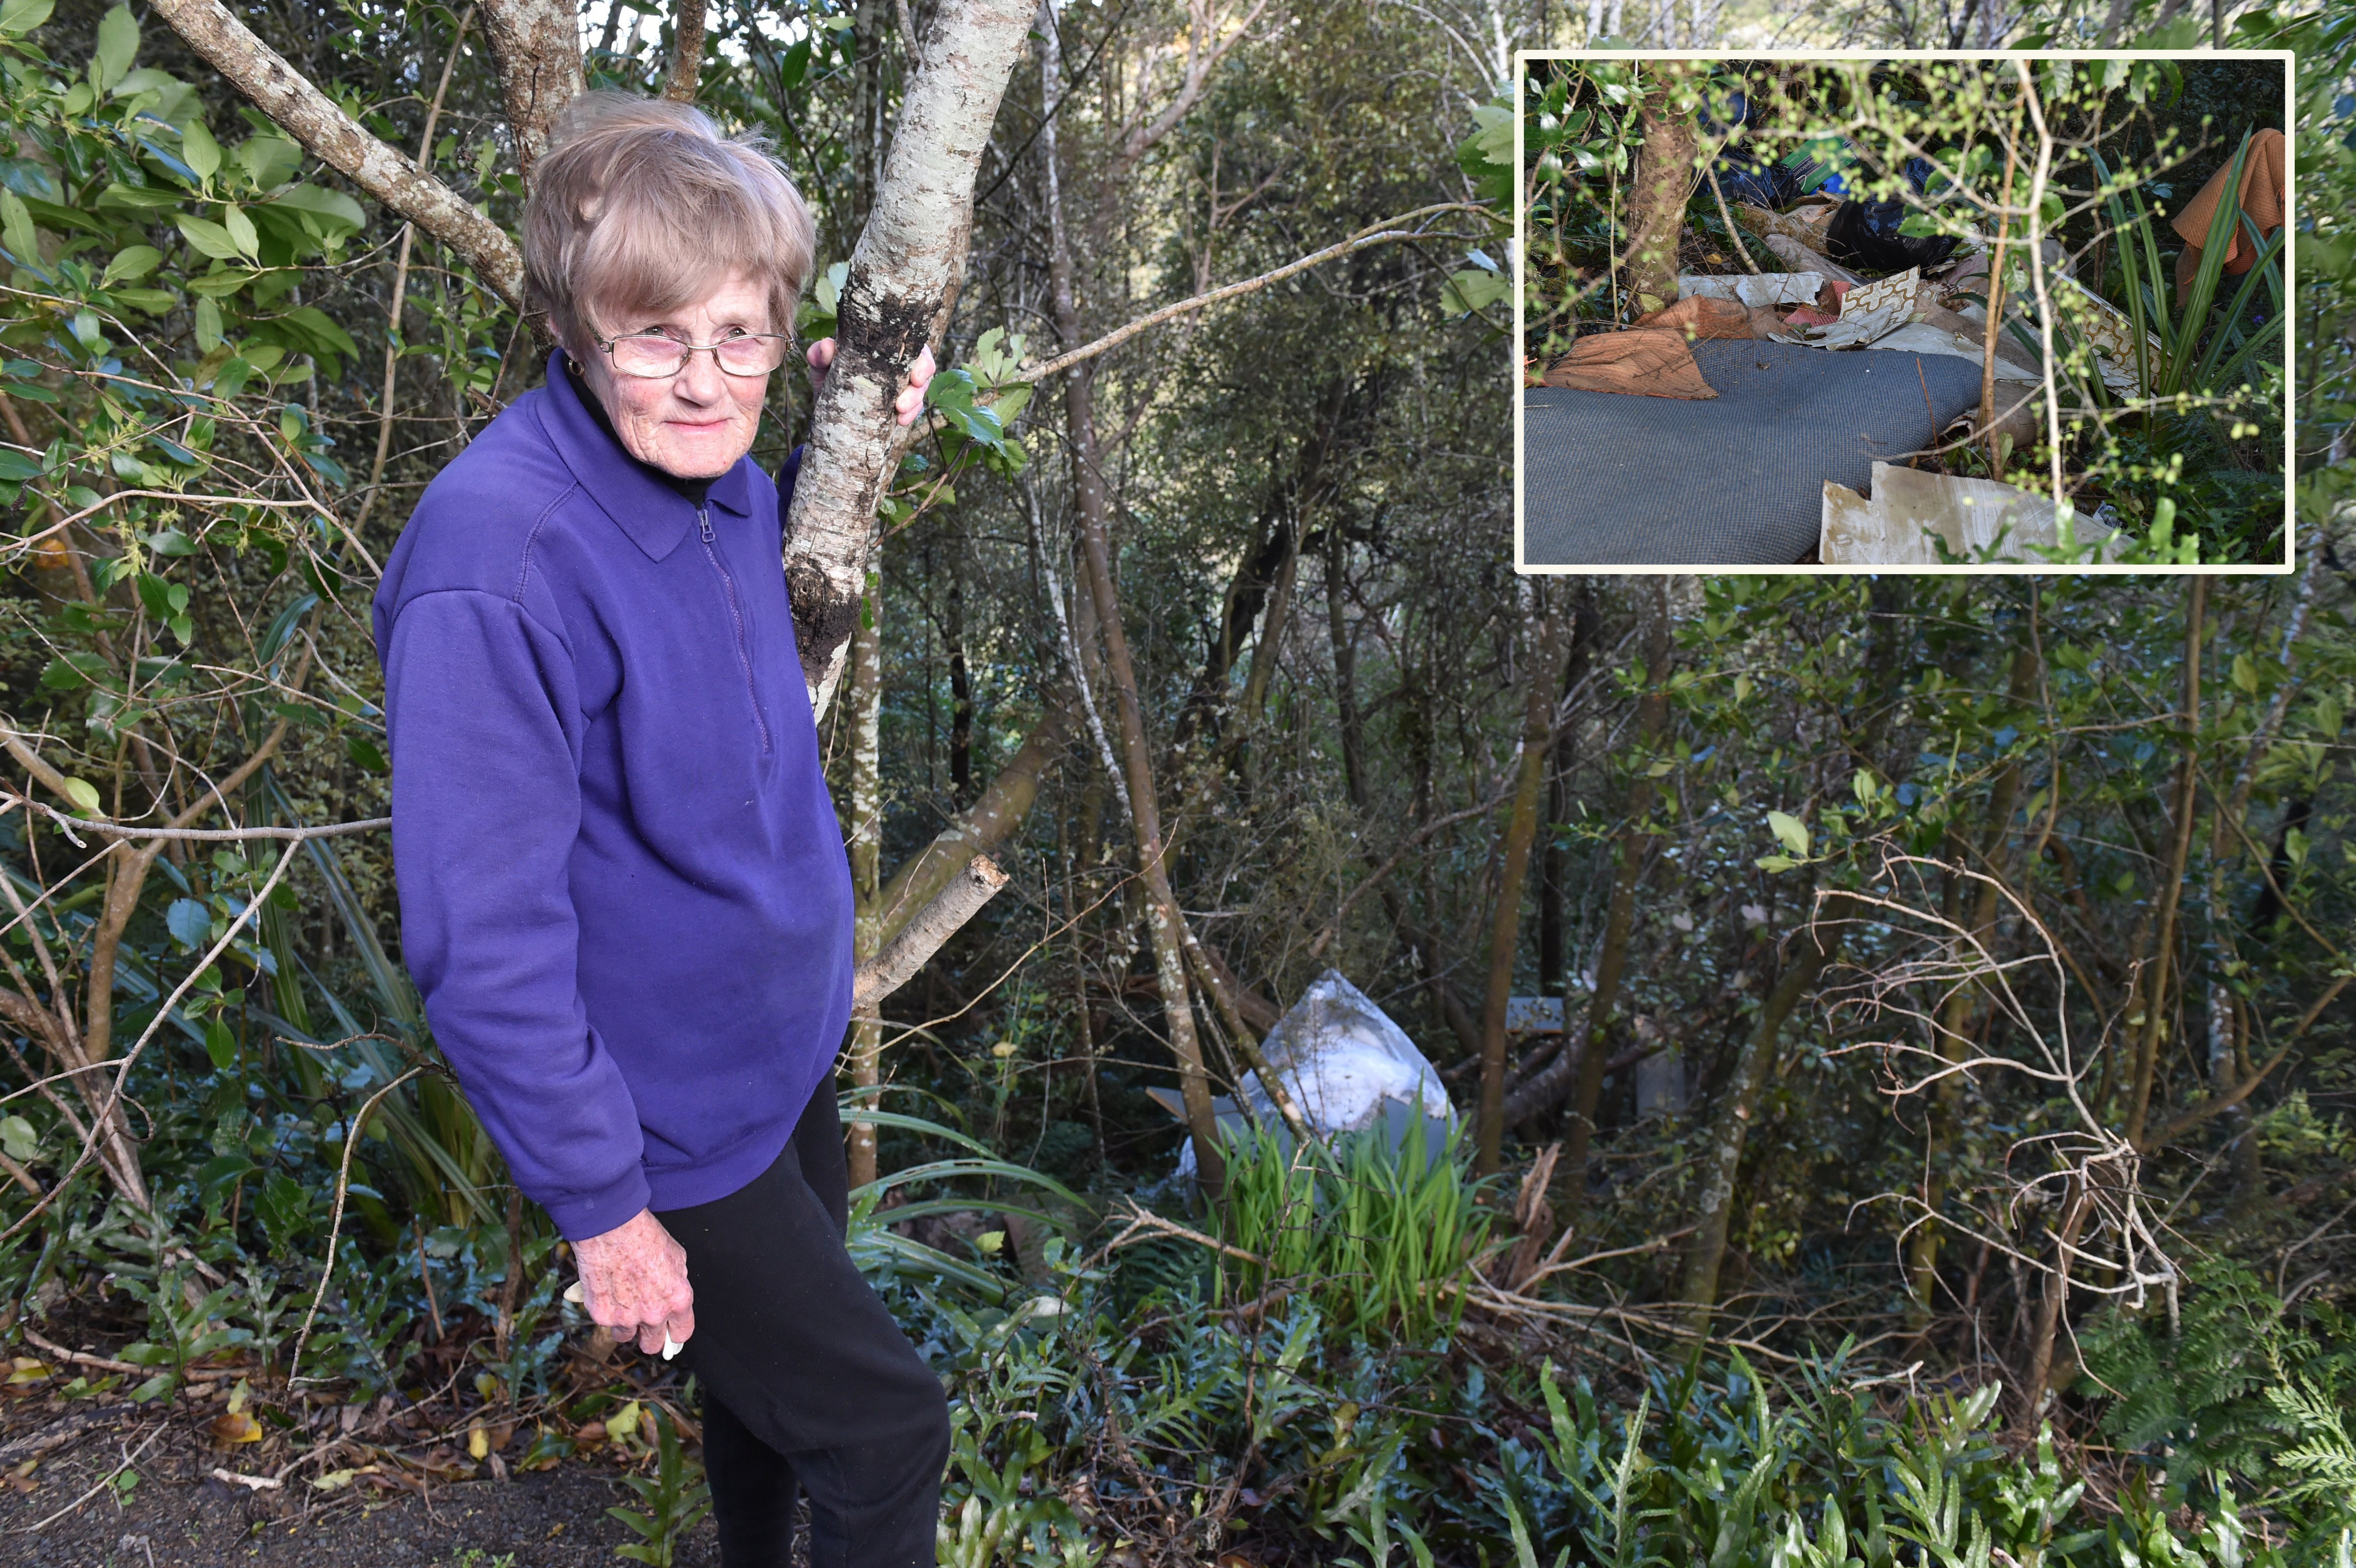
x,y
696,424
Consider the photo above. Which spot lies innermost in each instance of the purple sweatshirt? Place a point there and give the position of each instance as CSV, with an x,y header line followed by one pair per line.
x,y
623,889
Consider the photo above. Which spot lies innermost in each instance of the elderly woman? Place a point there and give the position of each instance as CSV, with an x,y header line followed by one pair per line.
x,y
622,890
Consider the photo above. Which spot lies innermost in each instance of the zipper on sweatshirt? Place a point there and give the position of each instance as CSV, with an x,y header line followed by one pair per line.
x,y
736,617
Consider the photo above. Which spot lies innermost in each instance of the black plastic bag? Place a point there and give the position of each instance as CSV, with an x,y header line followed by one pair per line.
x,y
1864,235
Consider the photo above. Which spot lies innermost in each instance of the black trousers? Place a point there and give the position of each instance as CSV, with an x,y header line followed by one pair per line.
x,y
807,1380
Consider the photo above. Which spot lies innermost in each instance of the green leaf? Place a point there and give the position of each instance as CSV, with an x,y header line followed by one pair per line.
x,y
118,197
219,1044
199,151
1472,290
17,229
2245,674
84,795
209,236
17,1137
209,326
130,264
1493,142
322,330
189,923
1789,831
241,230
118,46
284,1205
18,17
366,754
269,161
337,213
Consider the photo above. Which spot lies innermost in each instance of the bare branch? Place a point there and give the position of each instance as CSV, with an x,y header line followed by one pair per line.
x,y
1382,233
893,967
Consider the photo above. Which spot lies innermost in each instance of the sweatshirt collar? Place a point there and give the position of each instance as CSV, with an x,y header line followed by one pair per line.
x,y
643,501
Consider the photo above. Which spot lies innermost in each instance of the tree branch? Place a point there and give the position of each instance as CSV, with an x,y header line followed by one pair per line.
x,y
975,885
908,259
1380,234
284,94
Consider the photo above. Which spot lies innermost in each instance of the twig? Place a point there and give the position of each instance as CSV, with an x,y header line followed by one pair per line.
x,y
133,1369
1376,235
70,824
1141,1219
1726,218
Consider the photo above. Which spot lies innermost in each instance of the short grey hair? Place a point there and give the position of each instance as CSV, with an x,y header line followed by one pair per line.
x,y
641,204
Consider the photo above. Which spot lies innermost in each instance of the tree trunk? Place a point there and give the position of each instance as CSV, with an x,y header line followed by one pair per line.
x,y
1164,921
1553,929
866,845
1722,1155
902,276
2155,995
1656,198
686,51
1619,925
538,43
1549,649
1002,806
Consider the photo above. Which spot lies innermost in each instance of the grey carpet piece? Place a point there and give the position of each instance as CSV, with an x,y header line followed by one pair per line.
x,y
1734,480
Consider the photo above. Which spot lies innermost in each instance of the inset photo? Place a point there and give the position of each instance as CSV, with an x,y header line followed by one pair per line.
x,y
1958,313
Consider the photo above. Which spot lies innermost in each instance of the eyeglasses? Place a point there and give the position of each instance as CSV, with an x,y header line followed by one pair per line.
x,y
657,356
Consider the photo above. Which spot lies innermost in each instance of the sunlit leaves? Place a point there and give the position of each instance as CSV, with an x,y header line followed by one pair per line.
x,y
18,17
199,151
118,45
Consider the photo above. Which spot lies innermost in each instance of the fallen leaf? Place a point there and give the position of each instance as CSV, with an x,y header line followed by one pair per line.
x,y
231,1427
589,1432
479,1442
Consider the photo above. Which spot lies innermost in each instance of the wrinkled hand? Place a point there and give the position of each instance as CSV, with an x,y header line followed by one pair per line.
x,y
634,1283
904,407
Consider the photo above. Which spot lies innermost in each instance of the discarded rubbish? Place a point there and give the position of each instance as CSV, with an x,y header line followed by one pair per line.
x,y
1796,255
1868,311
1347,1067
1865,234
2260,196
1976,520
1922,338
1771,288
1702,316
1653,362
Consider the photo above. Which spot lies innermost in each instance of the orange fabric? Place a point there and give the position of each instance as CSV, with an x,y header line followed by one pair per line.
x,y
1652,362
1701,317
2261,195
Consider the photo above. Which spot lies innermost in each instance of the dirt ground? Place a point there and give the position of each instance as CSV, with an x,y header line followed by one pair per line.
x,y
176,1515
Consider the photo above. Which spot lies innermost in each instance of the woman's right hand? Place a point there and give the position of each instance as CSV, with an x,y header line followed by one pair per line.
x,y
634,1283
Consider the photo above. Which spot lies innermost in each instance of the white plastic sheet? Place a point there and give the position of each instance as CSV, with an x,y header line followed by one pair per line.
x,y
1348,1068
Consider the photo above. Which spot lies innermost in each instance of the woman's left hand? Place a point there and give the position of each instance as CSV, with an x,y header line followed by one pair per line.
x,y
912,396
